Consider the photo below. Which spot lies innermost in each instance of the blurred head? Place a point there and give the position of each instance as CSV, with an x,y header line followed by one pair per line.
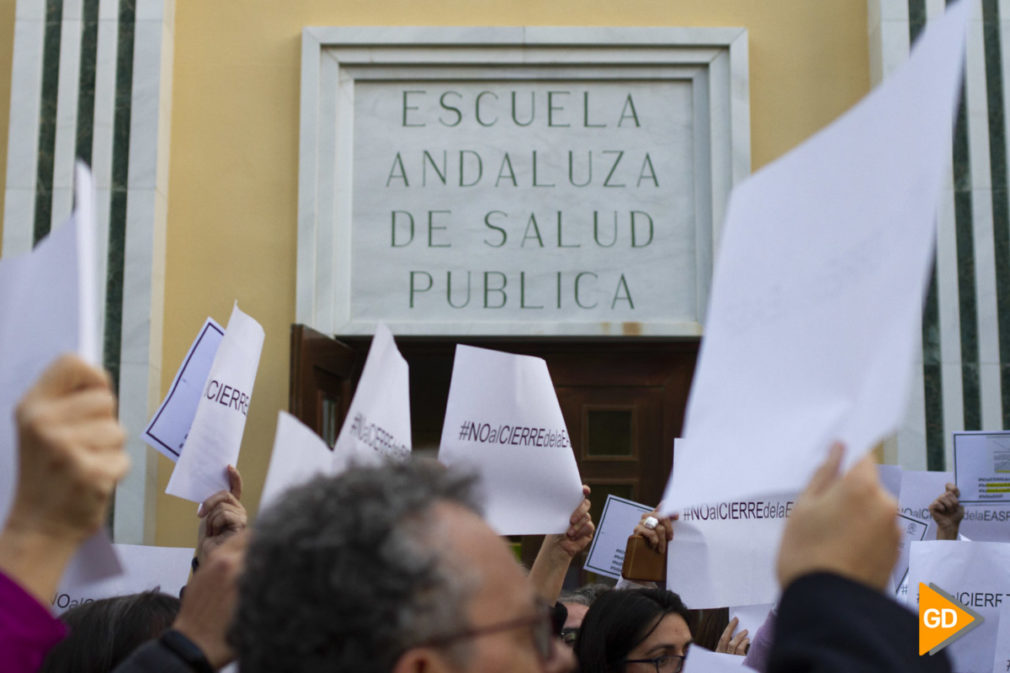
x,y
624,627
384,569
577,602
104,632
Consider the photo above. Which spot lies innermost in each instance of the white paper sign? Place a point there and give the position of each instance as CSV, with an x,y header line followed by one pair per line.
x,y
299,455
982,466
912,530
48,307
164,569
216,434
751,617
977,574
503,421
718,561
166,433
1001,657
724,553
814,319
986,523
700,660
377,426
617,523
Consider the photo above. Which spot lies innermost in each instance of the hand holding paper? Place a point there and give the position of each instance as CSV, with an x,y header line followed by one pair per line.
x,y
732,641
70,445
221,516
947,512
210,599
844,524
48,308
580,528
547,575
606,556
657,536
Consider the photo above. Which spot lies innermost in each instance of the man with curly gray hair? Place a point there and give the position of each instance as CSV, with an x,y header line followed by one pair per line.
x,y
384,570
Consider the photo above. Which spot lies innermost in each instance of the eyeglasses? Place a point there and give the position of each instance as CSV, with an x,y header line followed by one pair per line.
x,y
570,635
540,625
668,663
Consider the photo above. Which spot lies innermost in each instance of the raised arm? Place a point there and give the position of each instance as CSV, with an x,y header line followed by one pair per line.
x,y
70,450
557,551
947,511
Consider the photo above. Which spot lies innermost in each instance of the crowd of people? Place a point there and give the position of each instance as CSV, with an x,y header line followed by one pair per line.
x,y
392,569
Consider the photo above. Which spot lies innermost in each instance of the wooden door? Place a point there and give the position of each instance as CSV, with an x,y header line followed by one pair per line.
x,y
324,372
623,405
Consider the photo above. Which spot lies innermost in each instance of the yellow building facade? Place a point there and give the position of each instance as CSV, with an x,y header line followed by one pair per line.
x,y
213,157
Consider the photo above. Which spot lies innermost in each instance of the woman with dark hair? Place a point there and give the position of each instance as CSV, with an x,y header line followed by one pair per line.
x,y
104,632
634,631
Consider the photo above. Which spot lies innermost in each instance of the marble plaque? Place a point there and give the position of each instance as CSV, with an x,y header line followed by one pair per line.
x,y
518,195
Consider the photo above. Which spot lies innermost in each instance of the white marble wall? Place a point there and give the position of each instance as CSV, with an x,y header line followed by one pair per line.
x,y
147,194
23,133
889,46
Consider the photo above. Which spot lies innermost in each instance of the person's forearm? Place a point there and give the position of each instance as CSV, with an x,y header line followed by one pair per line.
x,y
34,560
549,569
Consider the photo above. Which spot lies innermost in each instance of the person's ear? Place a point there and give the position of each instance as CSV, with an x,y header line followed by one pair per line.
x,y
422,660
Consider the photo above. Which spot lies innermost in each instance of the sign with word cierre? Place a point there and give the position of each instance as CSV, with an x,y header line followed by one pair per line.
x,y
503,421
977,576
215,436
617,523
709,540
377,426
516,194
942,619
705,560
